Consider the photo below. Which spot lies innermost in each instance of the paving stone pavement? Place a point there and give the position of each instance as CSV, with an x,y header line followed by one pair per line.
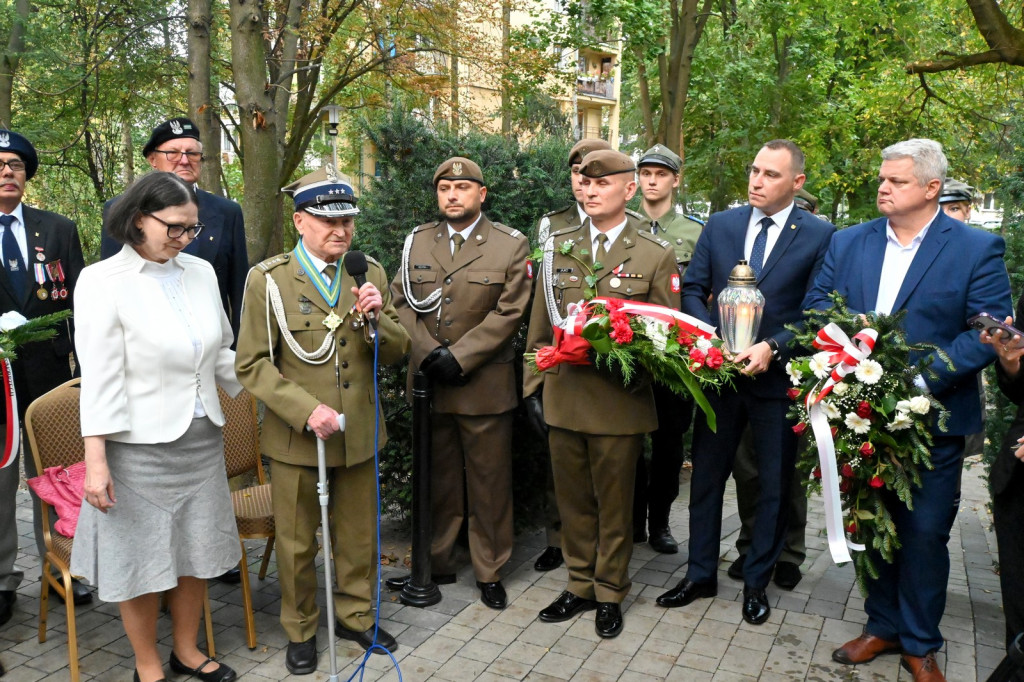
x,y
461,639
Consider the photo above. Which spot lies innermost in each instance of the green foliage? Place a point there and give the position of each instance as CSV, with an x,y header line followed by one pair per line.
x,y
30,331
523,183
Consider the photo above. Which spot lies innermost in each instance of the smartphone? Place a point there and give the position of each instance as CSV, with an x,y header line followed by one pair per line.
x,y
985,321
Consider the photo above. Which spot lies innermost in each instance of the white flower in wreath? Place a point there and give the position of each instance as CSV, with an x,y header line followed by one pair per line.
x,y
657,332
868,372
703,344
901,422
795,375
831,411
903,406
857,424
819,364
920,404
11,320
841,388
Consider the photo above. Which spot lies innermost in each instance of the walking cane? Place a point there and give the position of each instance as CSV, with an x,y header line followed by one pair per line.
x,y
324,493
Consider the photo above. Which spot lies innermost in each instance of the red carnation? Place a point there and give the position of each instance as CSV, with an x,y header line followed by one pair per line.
x,y
863,409
876,481
867,449
845,485
799,429
793,393
621,331
847,470
851,527
697,356
715,358
685,338
613,305
817,472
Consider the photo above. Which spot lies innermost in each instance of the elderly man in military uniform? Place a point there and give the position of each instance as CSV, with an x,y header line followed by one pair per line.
x,y
306,349
461,293
657,486
556,221
596,424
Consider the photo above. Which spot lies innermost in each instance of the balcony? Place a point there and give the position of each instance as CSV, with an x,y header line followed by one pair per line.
x,y
593,86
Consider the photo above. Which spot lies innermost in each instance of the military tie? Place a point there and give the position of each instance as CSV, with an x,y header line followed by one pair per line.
x,y
601,252
760,244
655,227
457,241
13,261
330,270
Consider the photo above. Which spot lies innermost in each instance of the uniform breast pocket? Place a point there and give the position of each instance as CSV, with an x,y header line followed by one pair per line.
x,y
484,288
568,289
634,289
423,282
308,330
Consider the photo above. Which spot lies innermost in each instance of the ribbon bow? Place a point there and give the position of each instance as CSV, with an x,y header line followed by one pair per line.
x,y
845,354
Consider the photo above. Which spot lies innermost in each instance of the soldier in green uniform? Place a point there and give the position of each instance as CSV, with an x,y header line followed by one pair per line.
x,y
657,486
558,221
596,424
306,350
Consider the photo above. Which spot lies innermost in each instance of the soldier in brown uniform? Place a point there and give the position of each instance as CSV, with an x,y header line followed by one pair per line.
x,y
309,357
597,425
557,221
461,293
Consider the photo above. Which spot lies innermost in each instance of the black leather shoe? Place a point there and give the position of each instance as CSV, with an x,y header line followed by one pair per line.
x,y
736,567
608,622
661,540
301,657
135,678
232,577
396,584
550,560
686,592
493,594
365,639
787,575
80,593
220,674
755,605
565,607
7,599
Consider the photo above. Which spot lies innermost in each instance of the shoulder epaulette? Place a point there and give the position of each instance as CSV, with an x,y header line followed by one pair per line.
x,y
426,226
636,215
557,211
565,230
272,263
654,238
510,231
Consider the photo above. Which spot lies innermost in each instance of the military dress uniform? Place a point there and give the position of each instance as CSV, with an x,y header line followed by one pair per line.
x,y
596,424
484,290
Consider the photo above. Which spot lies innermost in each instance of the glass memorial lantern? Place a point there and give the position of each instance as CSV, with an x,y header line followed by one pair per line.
x,y
739,309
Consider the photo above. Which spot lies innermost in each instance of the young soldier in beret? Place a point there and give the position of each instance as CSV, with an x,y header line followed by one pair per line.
x,y
596,424
42,258
461,293
309,357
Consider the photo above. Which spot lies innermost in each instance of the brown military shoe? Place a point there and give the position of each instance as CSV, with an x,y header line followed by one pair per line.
x,y
923,668
863,649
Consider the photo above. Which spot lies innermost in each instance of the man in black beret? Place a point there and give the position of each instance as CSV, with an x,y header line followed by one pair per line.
x,y
42,257
174,147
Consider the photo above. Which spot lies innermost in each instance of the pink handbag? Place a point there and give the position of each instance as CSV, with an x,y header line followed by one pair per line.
x,y
63,489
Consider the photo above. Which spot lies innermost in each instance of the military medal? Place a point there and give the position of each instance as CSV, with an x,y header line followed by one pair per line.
x,y
332,321
615,282
41,294
41,273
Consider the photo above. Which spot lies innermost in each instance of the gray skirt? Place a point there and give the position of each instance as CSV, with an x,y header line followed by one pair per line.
x,y
173,517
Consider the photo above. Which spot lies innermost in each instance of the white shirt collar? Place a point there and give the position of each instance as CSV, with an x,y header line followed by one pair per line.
x,y
778,218
890,234
19,214
612,234
465,232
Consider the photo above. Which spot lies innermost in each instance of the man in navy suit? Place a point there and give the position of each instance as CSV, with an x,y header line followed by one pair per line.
x,y
174,147
941,272
42,257
785,247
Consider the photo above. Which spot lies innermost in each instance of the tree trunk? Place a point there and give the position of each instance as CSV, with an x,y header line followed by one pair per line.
x,y
200,106
9,61
506,100
129,152
261,203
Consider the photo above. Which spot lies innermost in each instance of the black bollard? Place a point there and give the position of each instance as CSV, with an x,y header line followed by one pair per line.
x,y
420,589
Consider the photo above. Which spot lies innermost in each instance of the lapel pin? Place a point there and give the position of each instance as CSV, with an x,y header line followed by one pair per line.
x,y
792,227
478,237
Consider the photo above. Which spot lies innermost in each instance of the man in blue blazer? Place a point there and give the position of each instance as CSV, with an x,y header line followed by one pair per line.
x,y
785,247
174,147
941,272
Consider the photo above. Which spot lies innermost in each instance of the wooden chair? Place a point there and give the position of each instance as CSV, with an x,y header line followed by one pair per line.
x,y
254,513
54,430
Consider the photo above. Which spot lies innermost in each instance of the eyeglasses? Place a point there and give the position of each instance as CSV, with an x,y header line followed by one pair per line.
x,y
175,231
174,156
14,165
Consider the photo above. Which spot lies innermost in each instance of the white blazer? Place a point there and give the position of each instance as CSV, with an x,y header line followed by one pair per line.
x,y
139,380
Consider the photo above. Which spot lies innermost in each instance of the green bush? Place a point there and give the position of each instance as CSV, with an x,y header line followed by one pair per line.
x,y
524,181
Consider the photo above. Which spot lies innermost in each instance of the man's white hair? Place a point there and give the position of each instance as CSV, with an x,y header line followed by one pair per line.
x,y
929,161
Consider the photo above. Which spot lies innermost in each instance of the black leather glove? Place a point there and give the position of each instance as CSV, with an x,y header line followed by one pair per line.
x,y
442,368
535,414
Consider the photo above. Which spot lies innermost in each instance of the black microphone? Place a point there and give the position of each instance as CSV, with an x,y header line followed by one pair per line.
x,y
355,266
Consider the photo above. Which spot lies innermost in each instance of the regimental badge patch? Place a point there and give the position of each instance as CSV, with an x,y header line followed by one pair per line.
x,y
674,283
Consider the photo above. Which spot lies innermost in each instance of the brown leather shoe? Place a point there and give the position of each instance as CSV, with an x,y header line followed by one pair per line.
x,y
923,668
863,649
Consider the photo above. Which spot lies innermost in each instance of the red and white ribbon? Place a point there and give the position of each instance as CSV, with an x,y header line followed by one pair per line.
x,y
577,315
13,427
845,356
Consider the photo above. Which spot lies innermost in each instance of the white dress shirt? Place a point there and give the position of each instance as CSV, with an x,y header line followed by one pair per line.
x,y
18,228
895,264
754,226
464,232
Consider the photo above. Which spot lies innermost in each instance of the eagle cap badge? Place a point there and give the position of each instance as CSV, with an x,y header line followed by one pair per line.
x,y
332,175
5,139
457,168
176,127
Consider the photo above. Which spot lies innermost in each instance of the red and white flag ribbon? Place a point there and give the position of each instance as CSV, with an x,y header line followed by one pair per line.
x,y
13,426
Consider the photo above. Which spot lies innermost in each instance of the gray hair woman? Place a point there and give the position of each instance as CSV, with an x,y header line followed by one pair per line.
x,y
153,342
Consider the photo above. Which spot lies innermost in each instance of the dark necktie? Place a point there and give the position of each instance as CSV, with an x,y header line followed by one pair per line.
x,y
655,227
330,270
601,252
760,244
457,241
13,261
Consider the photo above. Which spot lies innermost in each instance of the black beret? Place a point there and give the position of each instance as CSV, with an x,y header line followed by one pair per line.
x,y
11,141
458,168
171,130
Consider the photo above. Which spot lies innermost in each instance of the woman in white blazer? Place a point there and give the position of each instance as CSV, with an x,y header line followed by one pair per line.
x,y
153,341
